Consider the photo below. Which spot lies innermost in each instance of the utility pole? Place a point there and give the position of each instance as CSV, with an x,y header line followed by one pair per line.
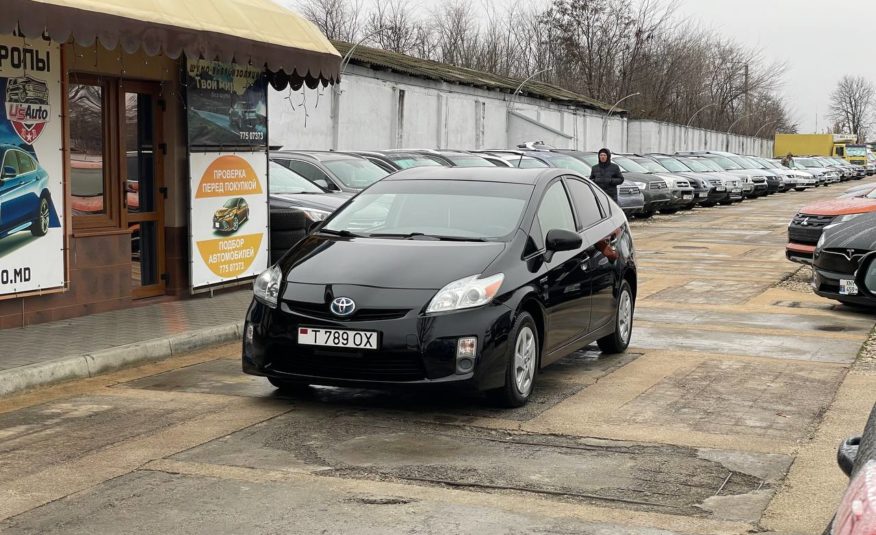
x,y
747,100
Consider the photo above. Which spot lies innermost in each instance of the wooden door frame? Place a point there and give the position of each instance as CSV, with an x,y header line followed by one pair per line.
x,y
157,215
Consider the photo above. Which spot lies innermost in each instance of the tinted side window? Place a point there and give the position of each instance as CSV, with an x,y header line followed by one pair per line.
x,y
603,202
589,212
25,163
555,211
310,172
10,164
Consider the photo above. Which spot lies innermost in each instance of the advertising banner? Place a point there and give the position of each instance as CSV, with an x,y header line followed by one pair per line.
x,y
31,167
229,216
227,105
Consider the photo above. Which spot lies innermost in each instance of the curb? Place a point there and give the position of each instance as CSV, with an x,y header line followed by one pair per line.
x,y
86,365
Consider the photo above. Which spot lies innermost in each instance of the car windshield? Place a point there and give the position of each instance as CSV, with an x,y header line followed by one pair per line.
x,y
230,203
651,166
627,165
726,163
469,161
458,209
568,162
807,163
413,160
527,163
284,180
856,151
674,165
589,159
743,163
709,164
871,195
695,165
356,173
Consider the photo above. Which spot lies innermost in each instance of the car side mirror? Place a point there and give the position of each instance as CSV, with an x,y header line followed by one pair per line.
x,y
313,226
846,454
562,240
8,172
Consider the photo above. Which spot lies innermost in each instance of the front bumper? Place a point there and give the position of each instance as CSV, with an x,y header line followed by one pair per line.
x,y
801,254
413,349
656,199
631,203
222,224
826,284
682,198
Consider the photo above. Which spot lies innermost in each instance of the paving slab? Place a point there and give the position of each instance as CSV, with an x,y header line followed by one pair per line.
x,y
149,502
645,477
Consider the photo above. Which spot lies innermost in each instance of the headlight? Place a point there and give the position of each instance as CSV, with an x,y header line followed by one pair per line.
x,y
315,215
820,243
469,292
267,286
641,185
843,219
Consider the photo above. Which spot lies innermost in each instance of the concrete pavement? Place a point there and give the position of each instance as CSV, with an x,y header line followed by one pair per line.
x,y
721,419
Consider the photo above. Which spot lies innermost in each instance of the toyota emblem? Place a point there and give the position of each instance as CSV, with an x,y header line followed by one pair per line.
x,y
343,306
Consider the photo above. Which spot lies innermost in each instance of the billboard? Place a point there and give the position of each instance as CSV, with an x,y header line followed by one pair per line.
x,y
229,216
227,105
31,167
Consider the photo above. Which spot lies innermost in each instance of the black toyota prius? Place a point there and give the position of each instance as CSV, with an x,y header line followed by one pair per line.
x,y
470,277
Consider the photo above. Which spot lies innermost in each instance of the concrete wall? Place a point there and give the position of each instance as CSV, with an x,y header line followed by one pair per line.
x,y
654,136
381,110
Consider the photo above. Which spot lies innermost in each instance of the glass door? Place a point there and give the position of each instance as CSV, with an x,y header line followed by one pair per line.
x,y
143,185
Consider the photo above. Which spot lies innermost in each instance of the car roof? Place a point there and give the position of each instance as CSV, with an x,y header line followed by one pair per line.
x,y
320,156
510,175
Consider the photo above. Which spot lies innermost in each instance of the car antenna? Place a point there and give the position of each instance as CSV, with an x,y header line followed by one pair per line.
x,y
520,162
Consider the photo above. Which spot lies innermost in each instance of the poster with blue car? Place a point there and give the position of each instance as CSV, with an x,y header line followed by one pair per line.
x,y
31,167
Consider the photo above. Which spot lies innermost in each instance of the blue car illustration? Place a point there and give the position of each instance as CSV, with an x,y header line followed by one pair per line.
x,y
24,196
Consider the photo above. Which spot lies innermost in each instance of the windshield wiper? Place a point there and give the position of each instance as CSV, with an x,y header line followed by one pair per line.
x,y
415,235
341,233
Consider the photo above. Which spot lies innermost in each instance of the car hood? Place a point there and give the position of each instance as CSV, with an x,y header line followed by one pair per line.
x,y
859,233
386,263
224,212
840,207
319,201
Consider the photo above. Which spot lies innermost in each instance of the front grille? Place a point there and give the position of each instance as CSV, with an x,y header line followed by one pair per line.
x,y
758,179
321,310
364,366
627,191
839,260
682,184
715,182
807,229
658,185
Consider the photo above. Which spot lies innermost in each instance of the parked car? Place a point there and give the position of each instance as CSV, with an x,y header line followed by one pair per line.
x,y
654,189
392,161
233,213
243,116
25,200
705,193
786,180
720,179
820,173
728,162
803,179
515,159
679,187
331,171
295,204
806,227
856,456
453,158
507,271
629,197
843,260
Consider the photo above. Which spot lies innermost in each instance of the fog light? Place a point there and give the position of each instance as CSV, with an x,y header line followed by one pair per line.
x,y
250,332
466,351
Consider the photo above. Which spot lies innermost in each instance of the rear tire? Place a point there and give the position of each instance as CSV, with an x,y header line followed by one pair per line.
x,y
619,340
40,225
521,365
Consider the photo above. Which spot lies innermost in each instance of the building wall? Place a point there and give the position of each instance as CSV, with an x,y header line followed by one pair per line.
x,y
654,136
381,110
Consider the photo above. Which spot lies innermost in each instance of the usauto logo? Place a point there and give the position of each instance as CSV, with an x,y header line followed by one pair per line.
x,y
27,107
343,306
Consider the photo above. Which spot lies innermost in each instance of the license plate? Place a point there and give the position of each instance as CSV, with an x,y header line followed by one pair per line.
x,y
309,336
848,287
720,188
687,197
215,225
701,194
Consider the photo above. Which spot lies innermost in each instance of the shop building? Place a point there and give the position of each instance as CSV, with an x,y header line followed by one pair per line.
x,y
101,146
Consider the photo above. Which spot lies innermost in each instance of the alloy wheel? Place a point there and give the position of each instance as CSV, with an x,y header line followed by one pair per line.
x,y
524,360
625,316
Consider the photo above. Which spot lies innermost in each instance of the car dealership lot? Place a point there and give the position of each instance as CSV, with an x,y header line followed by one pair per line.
x,y
722,417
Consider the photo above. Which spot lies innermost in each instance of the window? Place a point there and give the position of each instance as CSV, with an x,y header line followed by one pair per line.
x,y
310,172
25,163
284,180
10,164
585,202
356,173
555,211
603,202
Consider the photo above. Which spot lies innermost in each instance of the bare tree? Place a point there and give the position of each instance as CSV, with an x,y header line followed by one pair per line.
x,y
394,27
337,19
852,105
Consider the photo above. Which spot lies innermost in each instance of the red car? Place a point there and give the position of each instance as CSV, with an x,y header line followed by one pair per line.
x,y
806,227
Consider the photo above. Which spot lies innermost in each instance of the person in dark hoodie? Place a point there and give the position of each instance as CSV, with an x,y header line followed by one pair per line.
x,y
607,175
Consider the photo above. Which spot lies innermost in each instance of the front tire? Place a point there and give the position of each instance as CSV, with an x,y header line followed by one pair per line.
x,y
521,364
619,340
235,224
40,225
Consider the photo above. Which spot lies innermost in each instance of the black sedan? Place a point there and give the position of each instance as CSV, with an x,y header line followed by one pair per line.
x,y
843,264
474,277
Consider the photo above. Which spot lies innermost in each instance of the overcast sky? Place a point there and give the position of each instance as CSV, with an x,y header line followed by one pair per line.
x,y
810,36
